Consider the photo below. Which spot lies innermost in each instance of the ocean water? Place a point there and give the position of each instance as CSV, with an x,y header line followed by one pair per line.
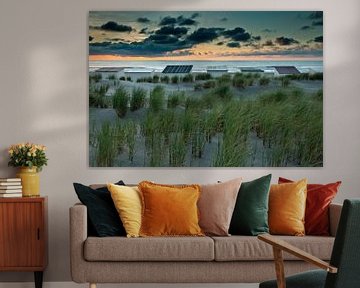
x,y
303,66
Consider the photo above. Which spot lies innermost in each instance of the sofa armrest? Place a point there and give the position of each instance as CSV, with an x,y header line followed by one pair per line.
x,y
78,235
334,217
284,246
279,246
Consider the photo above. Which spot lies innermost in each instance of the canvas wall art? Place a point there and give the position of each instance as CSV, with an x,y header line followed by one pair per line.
x,y
205,89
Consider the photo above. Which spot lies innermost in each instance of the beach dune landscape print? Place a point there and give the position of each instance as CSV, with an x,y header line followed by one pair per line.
x,y
205,89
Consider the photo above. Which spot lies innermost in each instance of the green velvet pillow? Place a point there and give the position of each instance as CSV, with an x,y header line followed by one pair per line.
x,y
250,215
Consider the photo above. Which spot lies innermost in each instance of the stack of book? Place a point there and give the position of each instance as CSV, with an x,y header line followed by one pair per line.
x,y
10,187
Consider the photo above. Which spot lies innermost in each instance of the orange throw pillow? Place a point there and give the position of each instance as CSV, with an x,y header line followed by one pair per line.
x,y
169,210
318,200
287,204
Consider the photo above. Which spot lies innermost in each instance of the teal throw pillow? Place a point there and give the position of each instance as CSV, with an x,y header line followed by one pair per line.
x,y
250,216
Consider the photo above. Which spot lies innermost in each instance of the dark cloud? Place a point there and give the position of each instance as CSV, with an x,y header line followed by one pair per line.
x,y
155,45
284,41
267,30
232,32
317,23
306,27
203,35
220,43
113,26
168,21
91,38
319,39
195,15
162,39
187,22
237,34
269,43
253,45
316,15
143,20
241,37
224,19
233,44
181,20
171,30
167,38
143,31
256,38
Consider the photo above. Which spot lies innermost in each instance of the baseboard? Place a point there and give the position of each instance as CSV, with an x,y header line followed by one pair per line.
x,y
74,285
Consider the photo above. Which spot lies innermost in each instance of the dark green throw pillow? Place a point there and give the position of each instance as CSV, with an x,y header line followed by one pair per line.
x,y
103,219
250,215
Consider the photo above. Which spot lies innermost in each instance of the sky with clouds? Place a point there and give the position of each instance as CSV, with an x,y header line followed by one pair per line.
x,y
200,35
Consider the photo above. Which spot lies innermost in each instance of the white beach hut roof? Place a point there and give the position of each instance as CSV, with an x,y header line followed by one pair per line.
x,y
138,70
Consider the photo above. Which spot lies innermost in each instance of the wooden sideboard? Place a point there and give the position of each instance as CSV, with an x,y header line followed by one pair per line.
x,y
23,235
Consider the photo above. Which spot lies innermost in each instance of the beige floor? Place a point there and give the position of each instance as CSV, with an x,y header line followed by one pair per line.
x,y
73,285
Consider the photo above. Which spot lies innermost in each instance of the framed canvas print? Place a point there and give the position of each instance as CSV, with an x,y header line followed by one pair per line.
x,y
205,89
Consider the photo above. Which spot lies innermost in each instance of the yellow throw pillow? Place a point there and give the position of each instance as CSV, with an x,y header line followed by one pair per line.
x,y
287,204
169,210
127,201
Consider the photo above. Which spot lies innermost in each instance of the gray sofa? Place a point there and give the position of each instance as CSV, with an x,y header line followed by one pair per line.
x,y
234,259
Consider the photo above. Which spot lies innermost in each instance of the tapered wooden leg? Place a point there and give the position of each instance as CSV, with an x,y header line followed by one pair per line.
x,y
279,267
92,285
38,275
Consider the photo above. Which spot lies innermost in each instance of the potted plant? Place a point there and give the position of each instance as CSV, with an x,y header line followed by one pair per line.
x,y
30,158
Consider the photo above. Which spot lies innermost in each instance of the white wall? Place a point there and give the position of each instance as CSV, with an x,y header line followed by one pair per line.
x,y
43,90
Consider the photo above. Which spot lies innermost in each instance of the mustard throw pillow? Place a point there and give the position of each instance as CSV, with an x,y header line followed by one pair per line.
x,y
127,201
169,210
287,204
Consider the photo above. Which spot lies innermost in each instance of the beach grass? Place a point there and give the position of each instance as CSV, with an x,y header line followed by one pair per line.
x,y
175,99
177,150
97,77
214,124
264,81
97,96
157,99
165,79
138,98
175,79
130,135
120,101
106,146
203,76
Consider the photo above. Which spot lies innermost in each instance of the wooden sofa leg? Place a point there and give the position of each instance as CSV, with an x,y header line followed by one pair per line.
x,y
92,285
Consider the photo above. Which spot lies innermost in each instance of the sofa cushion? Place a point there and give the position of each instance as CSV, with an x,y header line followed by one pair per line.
x,y
250,215
318,199
216,206
287,204
127,201
102,216
244,248
169,210
149,249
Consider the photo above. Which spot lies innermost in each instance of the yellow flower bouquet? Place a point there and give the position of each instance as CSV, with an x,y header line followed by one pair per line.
x,y
27,155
